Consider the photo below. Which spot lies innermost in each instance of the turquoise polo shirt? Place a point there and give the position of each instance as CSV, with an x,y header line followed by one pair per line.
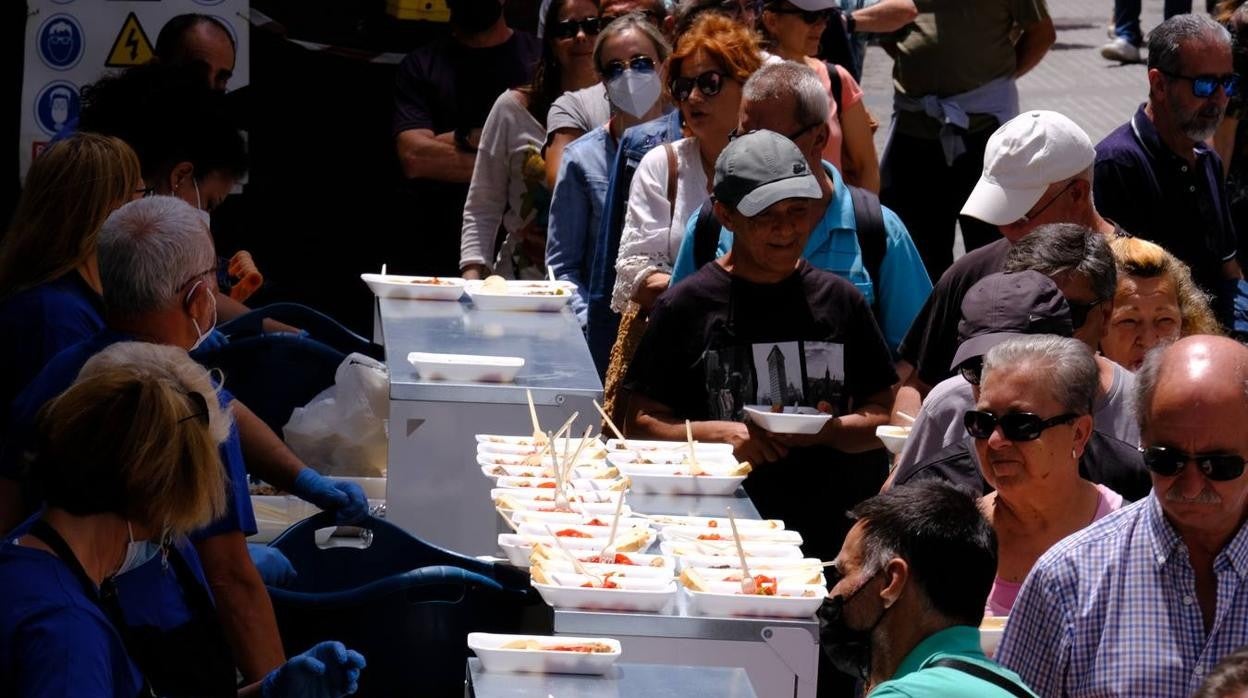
x,y
958,642
903,285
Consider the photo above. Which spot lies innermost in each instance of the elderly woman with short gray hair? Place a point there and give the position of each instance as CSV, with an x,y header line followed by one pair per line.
x,y
1029,440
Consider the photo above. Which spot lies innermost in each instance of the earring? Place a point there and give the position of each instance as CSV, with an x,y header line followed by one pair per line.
x,y
1073,455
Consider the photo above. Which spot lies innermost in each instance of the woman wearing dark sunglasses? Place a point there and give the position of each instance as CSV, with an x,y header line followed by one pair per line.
x,y
628,55
508,186
793,29
1030,426
704,76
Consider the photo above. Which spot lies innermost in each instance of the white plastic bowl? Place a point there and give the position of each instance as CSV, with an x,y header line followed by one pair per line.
x,y
893,437
427,288
794,420
489,649
466,368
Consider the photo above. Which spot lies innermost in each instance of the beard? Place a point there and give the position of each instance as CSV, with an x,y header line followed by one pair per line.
x,y
1198,124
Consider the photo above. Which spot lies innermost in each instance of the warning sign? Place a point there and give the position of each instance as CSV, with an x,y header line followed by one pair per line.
x,y
131,47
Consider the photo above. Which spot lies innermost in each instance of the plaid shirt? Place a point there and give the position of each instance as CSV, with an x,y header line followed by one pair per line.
x,y
1112,611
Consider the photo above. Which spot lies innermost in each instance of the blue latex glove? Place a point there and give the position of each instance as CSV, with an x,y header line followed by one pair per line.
x,y
327,670
214,341
346,499
274,568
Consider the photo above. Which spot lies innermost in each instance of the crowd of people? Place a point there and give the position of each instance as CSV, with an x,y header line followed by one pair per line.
x,y
705,175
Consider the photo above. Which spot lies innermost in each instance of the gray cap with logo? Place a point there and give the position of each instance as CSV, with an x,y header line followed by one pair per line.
x,y
760,168
1005,305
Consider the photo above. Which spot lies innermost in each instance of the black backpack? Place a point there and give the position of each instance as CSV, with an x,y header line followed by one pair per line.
x,y
869,217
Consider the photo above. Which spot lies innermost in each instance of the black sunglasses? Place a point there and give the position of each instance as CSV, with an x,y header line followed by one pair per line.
x,y
808,16
972,370
1204,86
708,83
1015,426
1169,462
641,64
569,28
1079,312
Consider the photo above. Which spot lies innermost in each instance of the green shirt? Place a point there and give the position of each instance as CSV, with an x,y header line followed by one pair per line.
x,y
960,642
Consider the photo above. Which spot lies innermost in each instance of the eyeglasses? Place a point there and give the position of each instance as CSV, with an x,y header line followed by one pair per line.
x,y
708,83
972,370
569,28
200,405
1028,217
1169,462
1015,426
641,64
808,16
736,133
1203,86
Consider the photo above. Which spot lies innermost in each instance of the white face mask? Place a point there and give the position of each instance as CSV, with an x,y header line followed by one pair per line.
x,y
199,207
202,334
138,553
634,92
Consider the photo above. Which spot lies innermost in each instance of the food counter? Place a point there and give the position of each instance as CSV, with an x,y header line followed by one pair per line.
x,y
435,491
626,679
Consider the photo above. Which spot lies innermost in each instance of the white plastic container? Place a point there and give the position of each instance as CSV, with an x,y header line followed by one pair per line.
x,y
732,605
489,648
893,437
429,288
466,368
794,420
756,533
533,296
640,596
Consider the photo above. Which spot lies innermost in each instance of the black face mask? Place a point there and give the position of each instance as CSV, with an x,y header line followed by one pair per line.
x,y
848,650
475,16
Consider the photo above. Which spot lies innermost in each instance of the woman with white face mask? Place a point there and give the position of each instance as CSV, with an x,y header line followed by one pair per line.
x,y
126,460
627,56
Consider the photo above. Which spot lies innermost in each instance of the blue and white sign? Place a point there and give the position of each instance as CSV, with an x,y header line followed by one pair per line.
x,y
56,105
61,42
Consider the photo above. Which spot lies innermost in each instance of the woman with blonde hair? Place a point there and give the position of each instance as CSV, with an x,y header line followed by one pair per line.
x,y
793,33
1156,301
126,461
49,280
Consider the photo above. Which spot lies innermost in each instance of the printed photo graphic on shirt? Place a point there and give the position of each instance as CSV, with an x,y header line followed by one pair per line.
x,y
776,374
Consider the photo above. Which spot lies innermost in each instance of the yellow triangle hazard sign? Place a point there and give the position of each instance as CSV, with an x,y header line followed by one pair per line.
x,y
131,47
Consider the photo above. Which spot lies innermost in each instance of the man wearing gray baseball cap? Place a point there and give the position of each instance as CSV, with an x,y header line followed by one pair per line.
x,y
762,329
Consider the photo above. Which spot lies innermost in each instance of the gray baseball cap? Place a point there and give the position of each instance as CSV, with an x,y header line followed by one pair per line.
x,y
1004,305
760,168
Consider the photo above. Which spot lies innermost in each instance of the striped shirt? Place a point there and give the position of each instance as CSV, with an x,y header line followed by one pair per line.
x,y
1112,611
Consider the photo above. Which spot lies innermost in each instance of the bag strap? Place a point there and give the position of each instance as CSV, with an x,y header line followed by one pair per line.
x,y
705,236
872,235
983,674
836,85
671,178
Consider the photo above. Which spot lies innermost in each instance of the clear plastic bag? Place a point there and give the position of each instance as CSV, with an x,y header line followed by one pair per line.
x,y
343,430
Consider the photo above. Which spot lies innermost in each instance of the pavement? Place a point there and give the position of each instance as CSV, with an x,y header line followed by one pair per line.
x,y
1073,79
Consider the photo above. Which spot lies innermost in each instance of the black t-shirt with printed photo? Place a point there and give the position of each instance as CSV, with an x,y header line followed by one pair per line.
x,y
716,343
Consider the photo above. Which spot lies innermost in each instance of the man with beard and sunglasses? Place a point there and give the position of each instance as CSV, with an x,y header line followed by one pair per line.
x,y
1155,174
895,617
1146,601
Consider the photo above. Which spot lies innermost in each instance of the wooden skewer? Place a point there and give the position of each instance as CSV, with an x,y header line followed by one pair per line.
x,y
829,563
566,425
615,522
748,586
905,416
510,523
611,425
537,429
694,468
576,564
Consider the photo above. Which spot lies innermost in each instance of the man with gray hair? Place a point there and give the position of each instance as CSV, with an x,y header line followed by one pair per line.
x,y
1146,601
879,258
1156,176
157,269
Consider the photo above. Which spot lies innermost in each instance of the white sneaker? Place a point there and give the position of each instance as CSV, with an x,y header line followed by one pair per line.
x,y
1121,50
1109,30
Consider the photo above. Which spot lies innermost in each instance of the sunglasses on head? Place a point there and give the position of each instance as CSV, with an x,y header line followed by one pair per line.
x,y
1169,462
641,64
972,370
1079,312
569,28
1015,426
1204,86
808,16
708,83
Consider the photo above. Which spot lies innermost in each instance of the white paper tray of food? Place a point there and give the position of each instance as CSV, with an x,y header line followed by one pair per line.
x,y
586,472
577,484
542,567
710,459
528,446
563,518
496,293
428,288
544,654
518,547
596,502
639,595
793,420
643,446
715,480
712,522
784,575
727,549
550,554
727,600
485,457
466,368
755,533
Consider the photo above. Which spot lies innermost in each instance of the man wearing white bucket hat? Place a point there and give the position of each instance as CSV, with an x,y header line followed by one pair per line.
x,y
1037,170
